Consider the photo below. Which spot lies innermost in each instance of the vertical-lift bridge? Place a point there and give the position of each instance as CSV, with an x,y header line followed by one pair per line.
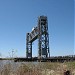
x,y
41,33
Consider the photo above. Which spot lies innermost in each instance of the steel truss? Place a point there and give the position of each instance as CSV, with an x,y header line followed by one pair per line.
x,y
41,33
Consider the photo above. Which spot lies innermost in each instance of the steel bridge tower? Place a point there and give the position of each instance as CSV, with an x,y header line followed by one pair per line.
x,y
41,33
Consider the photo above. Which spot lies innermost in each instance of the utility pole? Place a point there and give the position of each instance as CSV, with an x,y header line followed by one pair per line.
x,y
12,53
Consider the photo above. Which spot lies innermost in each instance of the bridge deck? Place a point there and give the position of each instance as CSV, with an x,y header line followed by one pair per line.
x,y
35,59
51,59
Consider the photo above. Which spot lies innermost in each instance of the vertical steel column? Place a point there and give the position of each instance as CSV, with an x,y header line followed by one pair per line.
x,y
47,38
28,47
39,38
43,37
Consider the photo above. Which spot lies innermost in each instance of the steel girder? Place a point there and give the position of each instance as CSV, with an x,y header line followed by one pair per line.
x,y
41,33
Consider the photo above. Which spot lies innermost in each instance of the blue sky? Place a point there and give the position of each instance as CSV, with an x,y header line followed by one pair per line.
x,y
17,17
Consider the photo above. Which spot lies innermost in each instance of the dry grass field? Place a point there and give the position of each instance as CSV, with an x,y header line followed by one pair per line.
x,y
41,68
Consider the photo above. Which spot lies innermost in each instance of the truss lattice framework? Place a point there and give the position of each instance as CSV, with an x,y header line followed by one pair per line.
x,y
41,33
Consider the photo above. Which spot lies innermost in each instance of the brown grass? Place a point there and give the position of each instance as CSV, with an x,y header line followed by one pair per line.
x,y
41,68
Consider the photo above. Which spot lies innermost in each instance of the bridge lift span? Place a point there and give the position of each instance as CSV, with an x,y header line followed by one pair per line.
x,y
41,33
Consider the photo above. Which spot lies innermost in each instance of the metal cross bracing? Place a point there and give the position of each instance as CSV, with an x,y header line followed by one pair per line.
x,y
41,33
28,47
